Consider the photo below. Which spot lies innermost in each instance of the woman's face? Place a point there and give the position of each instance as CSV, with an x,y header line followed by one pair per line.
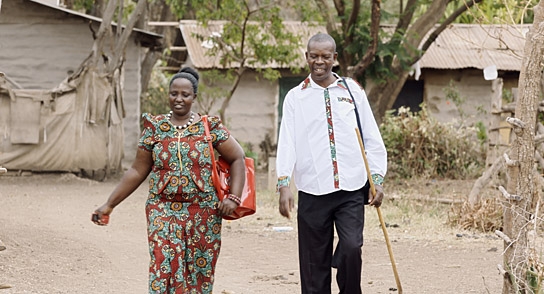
x,y
181,96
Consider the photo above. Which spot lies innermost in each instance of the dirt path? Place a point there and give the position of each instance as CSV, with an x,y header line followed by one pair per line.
x,y
52,247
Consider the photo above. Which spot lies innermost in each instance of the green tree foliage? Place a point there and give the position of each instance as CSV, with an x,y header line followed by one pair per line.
x,y
376,40
499,12
92,6
381,40
82,5
253,35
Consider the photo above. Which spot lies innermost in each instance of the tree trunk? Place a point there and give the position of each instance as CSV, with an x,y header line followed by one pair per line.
x,y
163,12
226,101
383,96
368,58
98,8
409,35
519,214
122,40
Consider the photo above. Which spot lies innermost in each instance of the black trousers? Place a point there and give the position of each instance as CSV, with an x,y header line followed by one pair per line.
x,y
317,216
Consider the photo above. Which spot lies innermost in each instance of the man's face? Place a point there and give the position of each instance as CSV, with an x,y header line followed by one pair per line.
x,y
321,57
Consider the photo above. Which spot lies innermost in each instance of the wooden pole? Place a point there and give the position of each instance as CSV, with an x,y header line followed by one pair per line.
x,y
382,222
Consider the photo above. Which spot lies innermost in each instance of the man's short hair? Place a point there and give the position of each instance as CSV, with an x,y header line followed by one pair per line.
x,y
322,37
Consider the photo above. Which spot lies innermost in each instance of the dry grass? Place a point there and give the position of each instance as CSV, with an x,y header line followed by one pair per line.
x,y
412,208
485,216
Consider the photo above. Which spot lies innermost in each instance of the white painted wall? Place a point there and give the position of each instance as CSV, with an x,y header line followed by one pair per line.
x,y
252,112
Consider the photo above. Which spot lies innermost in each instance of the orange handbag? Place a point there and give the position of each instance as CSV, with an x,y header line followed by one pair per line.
x,y
221,180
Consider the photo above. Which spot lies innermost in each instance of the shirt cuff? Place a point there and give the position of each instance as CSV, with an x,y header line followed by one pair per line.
x,y
377,179
283,181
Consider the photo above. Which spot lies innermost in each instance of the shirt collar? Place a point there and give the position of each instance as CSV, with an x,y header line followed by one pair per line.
x,y
309,83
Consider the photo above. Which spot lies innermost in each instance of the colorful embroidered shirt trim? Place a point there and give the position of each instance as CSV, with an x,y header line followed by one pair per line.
x,y
332,142
306,84
345,99
377,179
341,84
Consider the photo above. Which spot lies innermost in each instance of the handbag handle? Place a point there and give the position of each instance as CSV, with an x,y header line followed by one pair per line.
x,y
356,111
208,138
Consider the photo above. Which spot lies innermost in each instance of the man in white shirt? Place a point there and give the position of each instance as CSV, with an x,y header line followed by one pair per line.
x,y
318,145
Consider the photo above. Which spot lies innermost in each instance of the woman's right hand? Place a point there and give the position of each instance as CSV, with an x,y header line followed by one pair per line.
x,y
227,207
101,215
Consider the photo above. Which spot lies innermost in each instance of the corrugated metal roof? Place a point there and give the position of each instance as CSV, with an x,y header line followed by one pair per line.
x,y
477,46
90,17
198,51
459,46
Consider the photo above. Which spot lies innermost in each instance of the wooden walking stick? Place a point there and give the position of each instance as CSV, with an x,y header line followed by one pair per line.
x,y
382,223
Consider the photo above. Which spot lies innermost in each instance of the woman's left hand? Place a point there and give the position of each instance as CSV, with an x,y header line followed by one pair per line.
x,y
227,207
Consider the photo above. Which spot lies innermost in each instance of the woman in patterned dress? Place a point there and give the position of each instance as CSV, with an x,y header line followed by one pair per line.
x,y
183,211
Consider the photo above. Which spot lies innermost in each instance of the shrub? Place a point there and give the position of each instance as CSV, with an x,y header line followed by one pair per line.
x,y
485,216
155,99
418,145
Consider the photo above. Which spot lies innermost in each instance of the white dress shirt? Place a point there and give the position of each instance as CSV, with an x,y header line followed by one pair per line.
x,y
308,145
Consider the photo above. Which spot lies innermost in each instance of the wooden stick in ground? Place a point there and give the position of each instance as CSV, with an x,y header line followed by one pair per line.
x,y
382,222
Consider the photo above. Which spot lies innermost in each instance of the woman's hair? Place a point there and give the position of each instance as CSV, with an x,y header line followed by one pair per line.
x,y
187,73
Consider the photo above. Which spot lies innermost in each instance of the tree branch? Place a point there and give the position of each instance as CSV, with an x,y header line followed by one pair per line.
x,y
353,20
508,161
515,122
244,30
374,32
504,237
406,18
105,28
327,13
123,39
448,21
418,30
508,195
340,8
227,99
120,12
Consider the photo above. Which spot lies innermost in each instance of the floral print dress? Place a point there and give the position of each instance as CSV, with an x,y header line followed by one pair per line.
x,y
184,228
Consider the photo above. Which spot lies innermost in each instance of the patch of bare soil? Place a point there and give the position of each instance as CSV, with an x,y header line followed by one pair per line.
x,y
52,246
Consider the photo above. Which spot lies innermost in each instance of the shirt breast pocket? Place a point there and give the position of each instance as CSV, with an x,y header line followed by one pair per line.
x,y
346,109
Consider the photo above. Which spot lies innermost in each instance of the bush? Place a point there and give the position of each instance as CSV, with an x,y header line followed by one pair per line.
x,y
418,145
155,99
486,216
